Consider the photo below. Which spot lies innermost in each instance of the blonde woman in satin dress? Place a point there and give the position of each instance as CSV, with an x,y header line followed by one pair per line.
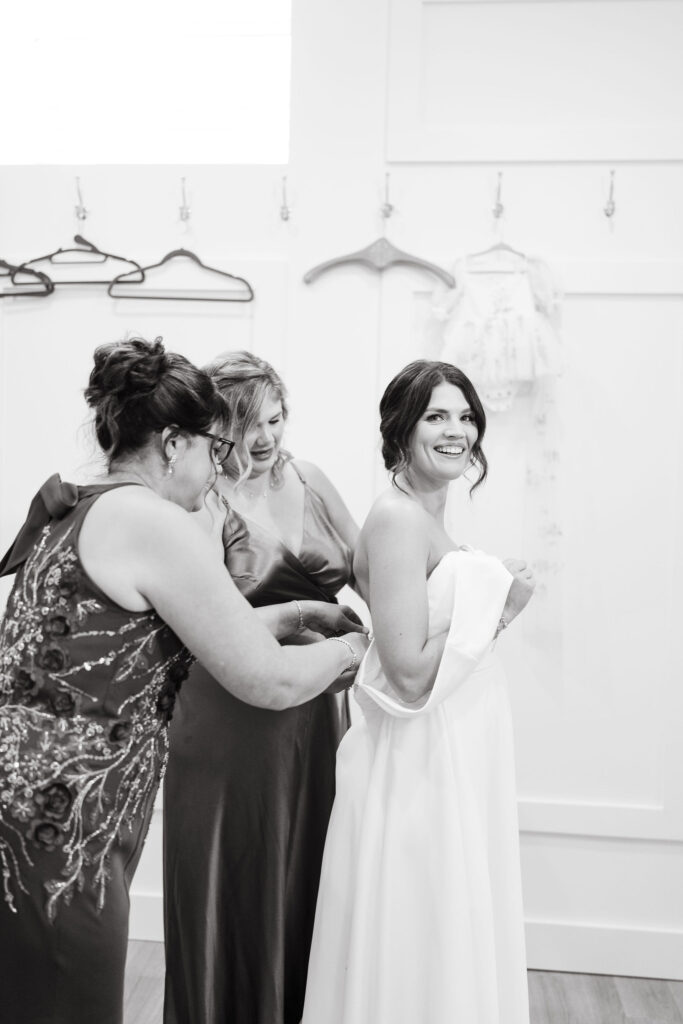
x,y
419,915
248,794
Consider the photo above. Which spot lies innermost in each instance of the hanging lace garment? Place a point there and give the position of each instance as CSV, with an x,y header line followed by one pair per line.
x,y
500,325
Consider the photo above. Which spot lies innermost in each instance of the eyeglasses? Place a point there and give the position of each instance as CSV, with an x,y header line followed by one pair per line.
x,y
221,447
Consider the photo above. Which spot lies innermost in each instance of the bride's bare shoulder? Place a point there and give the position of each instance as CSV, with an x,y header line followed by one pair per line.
x,y
394,509
394,523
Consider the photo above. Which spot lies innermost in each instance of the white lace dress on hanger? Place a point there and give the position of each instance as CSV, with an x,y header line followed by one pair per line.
x,y
500,324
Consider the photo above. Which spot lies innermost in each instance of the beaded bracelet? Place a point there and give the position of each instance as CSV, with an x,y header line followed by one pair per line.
x,y
302,624
354,660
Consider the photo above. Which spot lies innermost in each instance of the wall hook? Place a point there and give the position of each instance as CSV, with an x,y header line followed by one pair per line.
x,y
610,206
81,212
498,208
285,210
184,208
387,208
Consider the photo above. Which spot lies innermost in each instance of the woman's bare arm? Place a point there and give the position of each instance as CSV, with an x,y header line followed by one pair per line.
x,y
143,550
397,551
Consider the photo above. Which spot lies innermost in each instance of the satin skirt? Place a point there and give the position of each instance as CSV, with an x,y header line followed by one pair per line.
x,y
248,795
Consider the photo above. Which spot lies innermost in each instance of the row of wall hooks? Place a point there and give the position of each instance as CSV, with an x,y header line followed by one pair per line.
x,y
33,278
121,275
609,209
381,253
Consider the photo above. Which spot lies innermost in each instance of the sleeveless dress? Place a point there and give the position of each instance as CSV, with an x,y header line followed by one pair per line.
x,y
419,913
86,692
248,797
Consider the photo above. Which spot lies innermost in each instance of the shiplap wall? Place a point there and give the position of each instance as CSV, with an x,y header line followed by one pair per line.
x,y
444,95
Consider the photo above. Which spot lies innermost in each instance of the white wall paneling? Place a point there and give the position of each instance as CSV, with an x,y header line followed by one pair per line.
x,y
47,347
598,707
543,80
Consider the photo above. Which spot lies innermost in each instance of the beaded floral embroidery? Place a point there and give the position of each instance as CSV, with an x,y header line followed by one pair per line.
x,y
83,716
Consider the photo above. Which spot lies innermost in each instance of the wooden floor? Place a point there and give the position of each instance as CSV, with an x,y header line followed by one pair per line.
x,y
554,998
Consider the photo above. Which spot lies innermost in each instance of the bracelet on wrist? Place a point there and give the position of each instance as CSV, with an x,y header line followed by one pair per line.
x,y
354,660
302,624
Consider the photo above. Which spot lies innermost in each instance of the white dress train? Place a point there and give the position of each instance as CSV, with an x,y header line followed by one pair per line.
x,y
419,916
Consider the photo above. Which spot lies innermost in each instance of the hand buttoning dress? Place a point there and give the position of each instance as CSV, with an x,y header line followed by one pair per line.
x,y
419,917
248,797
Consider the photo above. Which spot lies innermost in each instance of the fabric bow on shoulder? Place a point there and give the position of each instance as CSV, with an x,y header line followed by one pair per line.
x,y
53,501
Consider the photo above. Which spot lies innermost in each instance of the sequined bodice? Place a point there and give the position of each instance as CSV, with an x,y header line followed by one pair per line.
x,y
86,692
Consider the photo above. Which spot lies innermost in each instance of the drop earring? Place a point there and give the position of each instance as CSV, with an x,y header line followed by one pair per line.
x,y
171,464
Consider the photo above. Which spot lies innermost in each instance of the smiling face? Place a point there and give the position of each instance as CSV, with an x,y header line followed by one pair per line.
x,y
264,438
441,444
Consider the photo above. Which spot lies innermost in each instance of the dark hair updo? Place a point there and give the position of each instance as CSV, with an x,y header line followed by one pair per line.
x,y
137,388
405,400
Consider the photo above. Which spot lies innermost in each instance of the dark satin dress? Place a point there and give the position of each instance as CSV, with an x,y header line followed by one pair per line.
x,y
248,797
86,691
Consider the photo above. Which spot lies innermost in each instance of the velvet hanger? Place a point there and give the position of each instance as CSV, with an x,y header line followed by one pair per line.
x,y
126,286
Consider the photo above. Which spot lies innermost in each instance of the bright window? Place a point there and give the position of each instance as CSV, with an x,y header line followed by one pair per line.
x,y
166,81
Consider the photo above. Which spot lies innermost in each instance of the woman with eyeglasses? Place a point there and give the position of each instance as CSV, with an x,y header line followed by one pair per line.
x,y
249,791
116,588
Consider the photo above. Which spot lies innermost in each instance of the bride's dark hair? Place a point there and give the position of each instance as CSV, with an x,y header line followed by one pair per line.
x,y
405,400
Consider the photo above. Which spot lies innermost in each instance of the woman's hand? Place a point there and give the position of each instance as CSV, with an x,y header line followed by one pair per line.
x,y
331,619
521,589
359,644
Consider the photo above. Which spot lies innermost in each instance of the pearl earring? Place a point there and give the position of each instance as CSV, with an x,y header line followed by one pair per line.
x,y
171,464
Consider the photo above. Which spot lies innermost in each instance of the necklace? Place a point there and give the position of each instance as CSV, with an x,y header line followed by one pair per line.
x,y
255,495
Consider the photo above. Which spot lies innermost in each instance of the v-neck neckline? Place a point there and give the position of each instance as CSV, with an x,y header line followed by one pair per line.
x,y
264,529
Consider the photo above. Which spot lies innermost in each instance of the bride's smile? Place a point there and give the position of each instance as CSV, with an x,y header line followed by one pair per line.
x,y
444,436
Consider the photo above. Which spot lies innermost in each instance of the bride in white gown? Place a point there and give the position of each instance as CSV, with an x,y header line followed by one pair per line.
x,y
419,916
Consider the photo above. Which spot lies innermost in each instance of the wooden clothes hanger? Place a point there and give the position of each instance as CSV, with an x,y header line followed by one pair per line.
x,y
18,289
88,253
124,286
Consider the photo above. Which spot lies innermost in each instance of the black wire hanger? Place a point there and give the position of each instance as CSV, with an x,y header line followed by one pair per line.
x,y
42,285
125,286
88,254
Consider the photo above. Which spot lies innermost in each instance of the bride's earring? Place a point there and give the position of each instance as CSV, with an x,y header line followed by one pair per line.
x,y
171,464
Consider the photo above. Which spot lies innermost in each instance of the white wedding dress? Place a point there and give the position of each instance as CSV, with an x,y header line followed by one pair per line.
x,y
419,916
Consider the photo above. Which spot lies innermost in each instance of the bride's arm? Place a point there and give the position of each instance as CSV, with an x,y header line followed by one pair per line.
x,y
398,550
